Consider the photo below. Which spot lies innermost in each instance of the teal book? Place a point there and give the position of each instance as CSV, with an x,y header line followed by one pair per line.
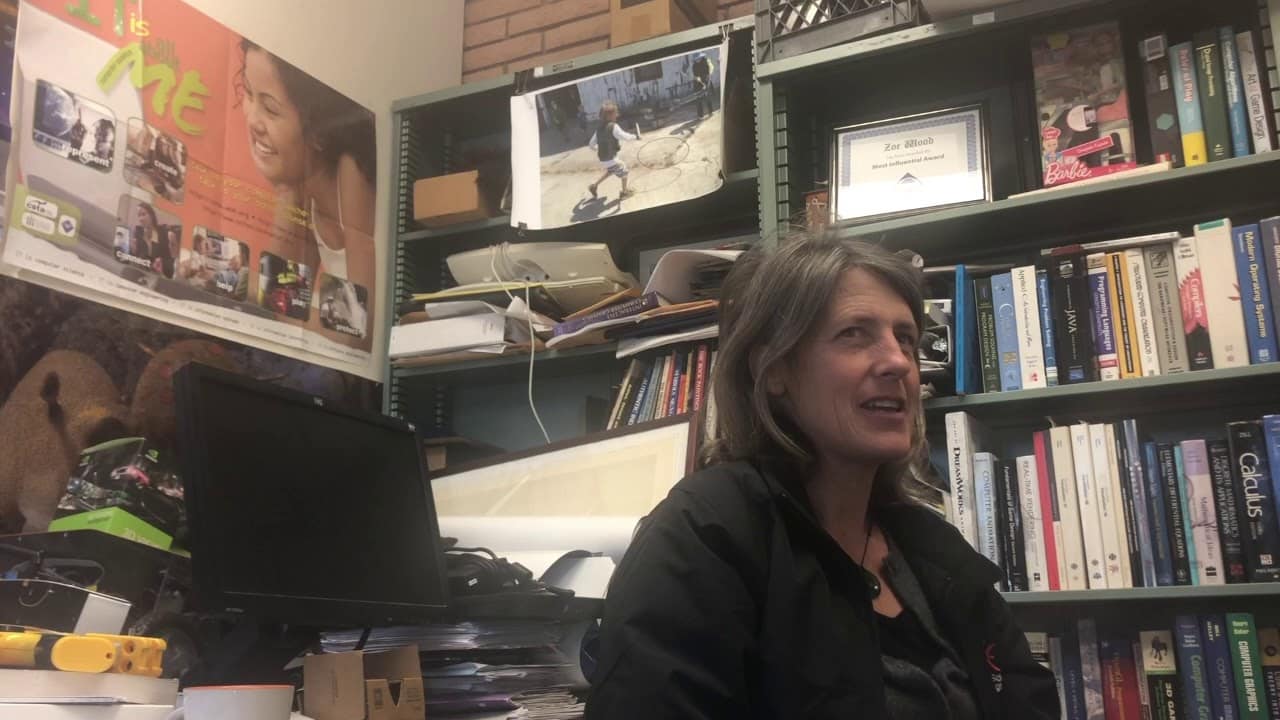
x,y
1183,494
1242,634
1237,112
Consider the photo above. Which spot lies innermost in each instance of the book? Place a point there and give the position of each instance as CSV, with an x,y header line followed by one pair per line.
x,y
1251,476
1224,503
664,388
1009,526
1242,635
1144,326
965,438
1038,644
1110,512
626,308
1031,563
989,359
1269,654
1195,314
1271,440
700,380
626,392
1095,553
1072,322
1027,316
967,373
1162,101
1218,666
1161,539
1044,300
1182,64
642,394
679,359
1102,315
1006,332
1075,575
1122,316
1213,94
1252,72
1191,666
685,402
1166,309
1255,294
1221,299
1073,689
1237,113
1090,668
1144,698
1181,472
62,687
1137,483
1051,527
1201,513
1118,461
1075,146
1269,232
1173,515
1119,679
984,484
1160,666
1057,662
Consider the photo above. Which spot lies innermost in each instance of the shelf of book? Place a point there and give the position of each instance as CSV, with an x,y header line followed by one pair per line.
x,y
602,353
1241,592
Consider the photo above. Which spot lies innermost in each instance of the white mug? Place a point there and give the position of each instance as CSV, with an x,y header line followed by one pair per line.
x,y
242,702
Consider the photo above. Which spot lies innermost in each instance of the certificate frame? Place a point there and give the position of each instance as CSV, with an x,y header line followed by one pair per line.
x,y
849,174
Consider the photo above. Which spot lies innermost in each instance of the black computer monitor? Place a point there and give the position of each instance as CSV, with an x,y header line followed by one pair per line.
x,y
301,512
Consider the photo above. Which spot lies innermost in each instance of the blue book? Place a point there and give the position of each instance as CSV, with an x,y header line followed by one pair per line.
x,y
1191,666
1006,332
1186,88
1104,333
1271,436
1255,294
1044,300
1161,552
1270,238
1186,511
968,367
1136,481
1237,112
642,396
1072,676
1218,666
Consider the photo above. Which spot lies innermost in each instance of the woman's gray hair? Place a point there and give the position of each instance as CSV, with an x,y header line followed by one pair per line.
x,y
771,301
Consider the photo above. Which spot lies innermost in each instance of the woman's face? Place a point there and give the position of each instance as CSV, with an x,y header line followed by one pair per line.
x,y
853,386
145,219
275,128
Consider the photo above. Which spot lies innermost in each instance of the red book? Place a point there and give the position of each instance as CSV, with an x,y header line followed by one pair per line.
x,y
1048,509
1119,680
686,381
700,379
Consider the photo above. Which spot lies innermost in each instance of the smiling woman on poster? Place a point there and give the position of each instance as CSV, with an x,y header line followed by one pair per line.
x,y
317,149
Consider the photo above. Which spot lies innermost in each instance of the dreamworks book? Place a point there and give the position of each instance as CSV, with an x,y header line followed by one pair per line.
x,y
1083,104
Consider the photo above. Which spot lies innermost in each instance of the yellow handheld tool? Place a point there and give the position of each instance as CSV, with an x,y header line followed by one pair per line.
x,y
82,653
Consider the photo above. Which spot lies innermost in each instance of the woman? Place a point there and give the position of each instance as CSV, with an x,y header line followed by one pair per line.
x,y
317,149
801,574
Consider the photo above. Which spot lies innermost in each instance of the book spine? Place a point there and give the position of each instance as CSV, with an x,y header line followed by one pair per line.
x,y
1251,72
1224,503
1051,526
1255,295
1110,513
1119,462
1271,440
1090,668
1073,342
1160,666
1064,477
711,427
960,474
965,319
1144,698
1191,664
1073,688
1166,309
1161,538
677,381
1190,120
1027,316
1038,644
1044,302
642,393
1162,102
700,381
1144,324
626,392
686,384
984,478
1269,655
1173,515
1137,482
1119,679
1057,662
1237,113
1104,337
1213,94
1195,314
1122,316
1251,475
1270,232
1221,298
1006,332
1006,474
626,308
1192,551
1030,563
664,388
989,357
1201,513
1217,656
1242,636
1095,553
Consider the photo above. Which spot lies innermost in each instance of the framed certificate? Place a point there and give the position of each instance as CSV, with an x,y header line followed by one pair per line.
x,y
911,164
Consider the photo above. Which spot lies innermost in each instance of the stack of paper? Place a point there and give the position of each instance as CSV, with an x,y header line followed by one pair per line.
x,y
470,327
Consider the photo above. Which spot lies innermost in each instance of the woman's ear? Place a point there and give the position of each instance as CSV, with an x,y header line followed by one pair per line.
x,y
774,378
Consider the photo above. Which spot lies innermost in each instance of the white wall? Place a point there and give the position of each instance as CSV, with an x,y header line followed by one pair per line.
x,y
373,51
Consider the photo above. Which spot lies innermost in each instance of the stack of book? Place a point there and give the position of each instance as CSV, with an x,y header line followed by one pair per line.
x,y
664,385
1094,506
1206,666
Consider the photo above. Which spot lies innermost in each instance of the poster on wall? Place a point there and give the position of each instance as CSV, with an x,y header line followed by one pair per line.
x,y
626,140
165,165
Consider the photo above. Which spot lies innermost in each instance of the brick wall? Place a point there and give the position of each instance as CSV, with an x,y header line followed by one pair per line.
x,y
502,36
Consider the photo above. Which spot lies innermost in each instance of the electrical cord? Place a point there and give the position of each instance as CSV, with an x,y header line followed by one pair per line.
x,y
493,254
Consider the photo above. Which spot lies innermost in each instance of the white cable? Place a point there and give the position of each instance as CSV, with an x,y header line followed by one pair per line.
x,y
532,343
493,253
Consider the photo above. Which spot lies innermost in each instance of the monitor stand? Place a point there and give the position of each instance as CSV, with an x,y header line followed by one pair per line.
x,y
253,653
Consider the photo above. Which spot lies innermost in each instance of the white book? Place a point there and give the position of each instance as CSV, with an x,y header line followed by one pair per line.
x,y
1032,524
447,335
1144,332
1227,335
1118,476
1110,516
1165,302
1030,342
1203,513
1254,92
984,487
962,443
84,711
55,686
1038,644
1073,571
1106,338
1095,552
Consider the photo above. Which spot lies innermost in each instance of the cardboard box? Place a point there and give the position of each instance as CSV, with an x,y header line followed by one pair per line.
x,y
340,686
633,20
449,199
118,522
